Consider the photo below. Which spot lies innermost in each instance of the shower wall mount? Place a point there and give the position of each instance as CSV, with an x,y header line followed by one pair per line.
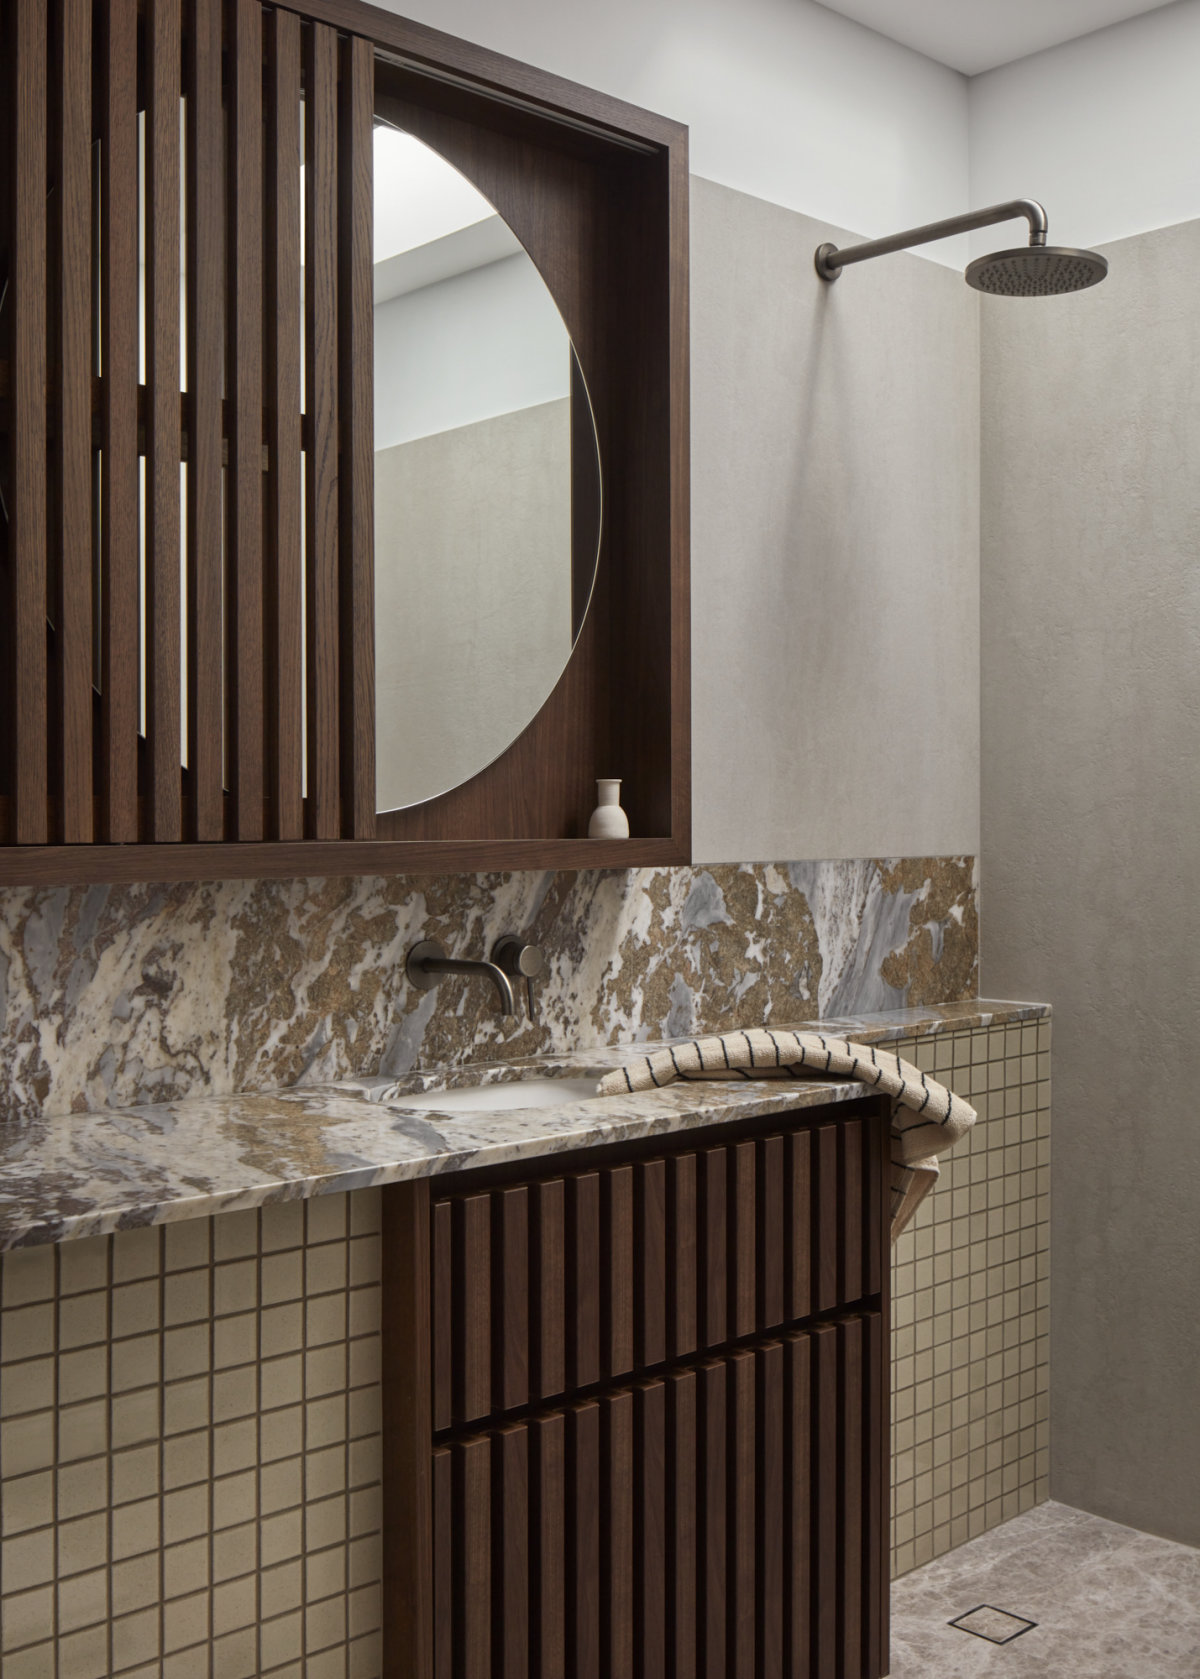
x,y
1035,270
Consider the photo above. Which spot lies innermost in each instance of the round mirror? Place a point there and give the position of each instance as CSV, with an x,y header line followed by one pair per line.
x,y
487,479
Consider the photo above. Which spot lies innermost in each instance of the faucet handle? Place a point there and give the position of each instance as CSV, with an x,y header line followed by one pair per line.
x,y
520,960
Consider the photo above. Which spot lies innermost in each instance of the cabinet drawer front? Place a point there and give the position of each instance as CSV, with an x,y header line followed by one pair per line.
x,y
548,1289
718,1521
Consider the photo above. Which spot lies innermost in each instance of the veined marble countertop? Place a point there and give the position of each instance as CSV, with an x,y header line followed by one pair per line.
x,y
86,1174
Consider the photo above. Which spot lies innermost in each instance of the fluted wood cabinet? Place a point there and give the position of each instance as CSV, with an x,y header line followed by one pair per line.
x,y
636,1410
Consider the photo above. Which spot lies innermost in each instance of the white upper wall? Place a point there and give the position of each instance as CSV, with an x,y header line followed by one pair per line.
x,y
1105,130
784,99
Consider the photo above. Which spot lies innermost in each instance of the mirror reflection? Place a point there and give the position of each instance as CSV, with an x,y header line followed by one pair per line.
x,y
487,499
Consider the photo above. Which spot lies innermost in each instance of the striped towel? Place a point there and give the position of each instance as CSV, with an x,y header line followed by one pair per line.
x,y
926,1117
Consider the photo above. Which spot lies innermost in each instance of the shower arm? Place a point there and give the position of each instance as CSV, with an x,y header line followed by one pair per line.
x,y
830,260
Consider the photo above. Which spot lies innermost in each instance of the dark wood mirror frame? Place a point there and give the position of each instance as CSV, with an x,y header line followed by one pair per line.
x,y
596,190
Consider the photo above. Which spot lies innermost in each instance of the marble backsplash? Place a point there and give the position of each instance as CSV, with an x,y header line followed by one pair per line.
x,y
142,993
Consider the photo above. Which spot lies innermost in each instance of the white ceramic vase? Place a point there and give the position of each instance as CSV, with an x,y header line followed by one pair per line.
x,y
608,821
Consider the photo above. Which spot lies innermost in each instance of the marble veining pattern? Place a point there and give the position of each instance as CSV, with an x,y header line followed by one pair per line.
x,y
111,996
76,1175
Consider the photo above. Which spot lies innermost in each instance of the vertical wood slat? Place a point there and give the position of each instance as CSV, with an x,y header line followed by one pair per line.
x,y
618,1270
878,1154
27,529
850,1498
119,679
825,1216
681,1400
549,1329
510,1218
443,1564
878,1499
851,1197
511,1568
442,1311
682,1274
547,1437
772,1241
321,403
283,582
650,1408
409,1523
583,1541
825,1619
473,1594
583,1279
163,428
799,1224
743,1256
772,1475
714,1303
713,1568
473,1307
618,1531
244,363
205,335
73,534
652,1266
798,1515
743,1536
356,472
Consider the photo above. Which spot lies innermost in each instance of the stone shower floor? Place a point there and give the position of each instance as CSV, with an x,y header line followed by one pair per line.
x,y
1109,1602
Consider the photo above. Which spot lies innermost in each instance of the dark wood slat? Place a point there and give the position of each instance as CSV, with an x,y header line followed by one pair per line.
x,y
205,335
73,532
798,1457
851,1196
473,1586
651,1281
548,1462
245,690
549,1327
27,527
583,1540
682,1496
510,1223
772,1245
877,1499
583,1279
713,1220
356,471
282,280
772,1474
825,1616
511,1470
878,1138
682,1277
851,1487
799,1224
618,1270
473,1307
443,1564
442,1283
743,1247
119,680
742,1503
650,1613
711,1382
321,407
163,428
618,1531
408,1464
825,1216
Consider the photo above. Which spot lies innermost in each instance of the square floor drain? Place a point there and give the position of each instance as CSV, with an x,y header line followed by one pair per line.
x,y
996,1625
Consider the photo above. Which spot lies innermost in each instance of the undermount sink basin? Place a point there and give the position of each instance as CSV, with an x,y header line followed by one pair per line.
x,y
515,1093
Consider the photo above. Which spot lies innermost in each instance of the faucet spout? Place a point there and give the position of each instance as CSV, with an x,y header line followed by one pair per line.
x,y
427,962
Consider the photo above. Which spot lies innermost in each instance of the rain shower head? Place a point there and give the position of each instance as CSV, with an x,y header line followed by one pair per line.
x,y
1035,270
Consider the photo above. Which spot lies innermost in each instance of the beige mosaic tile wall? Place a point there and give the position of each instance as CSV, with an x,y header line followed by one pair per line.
x,y
189,1415
971,1304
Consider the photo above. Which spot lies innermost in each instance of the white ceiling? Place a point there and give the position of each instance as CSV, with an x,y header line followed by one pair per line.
x,y
975,35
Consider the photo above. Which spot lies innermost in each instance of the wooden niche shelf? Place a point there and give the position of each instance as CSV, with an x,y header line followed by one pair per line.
x,y
150,614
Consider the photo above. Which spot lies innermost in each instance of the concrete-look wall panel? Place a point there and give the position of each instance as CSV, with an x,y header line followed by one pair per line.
x,y
1091,838
834,545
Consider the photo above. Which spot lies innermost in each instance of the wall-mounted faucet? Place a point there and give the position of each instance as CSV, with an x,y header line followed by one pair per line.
x,y
512,958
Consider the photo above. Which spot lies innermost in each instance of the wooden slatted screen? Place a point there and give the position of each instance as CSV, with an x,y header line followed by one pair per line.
x,y
186,452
